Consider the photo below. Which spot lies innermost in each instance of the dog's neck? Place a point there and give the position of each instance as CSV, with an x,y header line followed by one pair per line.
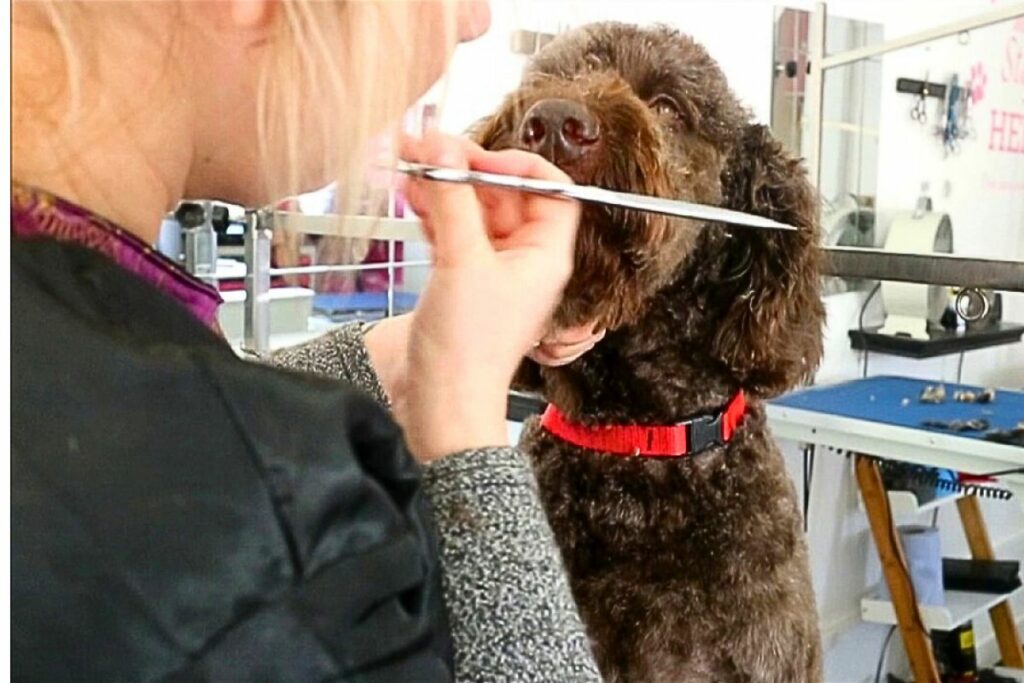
x,y
657,371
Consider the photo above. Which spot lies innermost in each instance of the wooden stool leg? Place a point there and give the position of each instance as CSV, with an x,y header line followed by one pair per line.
x,y
1001,615
894,566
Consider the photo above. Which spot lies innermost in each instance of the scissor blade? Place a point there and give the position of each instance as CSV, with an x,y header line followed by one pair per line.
x,y
598,195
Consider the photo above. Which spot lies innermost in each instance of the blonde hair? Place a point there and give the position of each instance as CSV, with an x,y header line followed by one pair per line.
x,y
352,57
321,42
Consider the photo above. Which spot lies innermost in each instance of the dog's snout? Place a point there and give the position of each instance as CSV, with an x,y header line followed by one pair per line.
x,y
559,130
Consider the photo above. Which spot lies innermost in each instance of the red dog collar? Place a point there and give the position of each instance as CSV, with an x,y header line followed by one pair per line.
x,y
688,437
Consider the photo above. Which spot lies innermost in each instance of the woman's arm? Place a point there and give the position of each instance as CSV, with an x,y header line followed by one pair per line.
x,y
340,354
512,613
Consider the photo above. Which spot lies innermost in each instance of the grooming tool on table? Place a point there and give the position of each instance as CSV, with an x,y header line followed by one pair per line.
x,y
933,393
589,193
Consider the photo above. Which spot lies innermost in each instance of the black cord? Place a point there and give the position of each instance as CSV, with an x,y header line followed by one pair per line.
x,y
960,367
860,325
999,473
935,517
881,655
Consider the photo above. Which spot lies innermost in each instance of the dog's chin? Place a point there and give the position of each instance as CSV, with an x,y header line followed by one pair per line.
x,y
615,282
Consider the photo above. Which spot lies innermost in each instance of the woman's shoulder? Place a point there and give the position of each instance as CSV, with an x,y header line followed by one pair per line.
x,y
225,494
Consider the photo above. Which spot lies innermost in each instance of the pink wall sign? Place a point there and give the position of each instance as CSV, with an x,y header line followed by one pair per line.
x,y
1006,125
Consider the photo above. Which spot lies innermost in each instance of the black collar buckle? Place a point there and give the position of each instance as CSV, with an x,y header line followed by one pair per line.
x,y
704,433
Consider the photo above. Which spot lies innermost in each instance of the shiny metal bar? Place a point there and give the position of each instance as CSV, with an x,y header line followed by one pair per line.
x,y
351,267
994,16
339,268
201,246
815,92
391,278
929,269
256,328
359,227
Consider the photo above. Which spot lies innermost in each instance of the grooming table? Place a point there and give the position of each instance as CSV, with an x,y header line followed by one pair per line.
x,y
869,416
873,417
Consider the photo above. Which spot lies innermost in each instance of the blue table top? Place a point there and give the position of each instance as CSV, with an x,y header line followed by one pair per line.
x,y
880,399
363,301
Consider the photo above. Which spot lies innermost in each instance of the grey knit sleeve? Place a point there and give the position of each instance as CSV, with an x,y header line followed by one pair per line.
x,y
512,613
339,354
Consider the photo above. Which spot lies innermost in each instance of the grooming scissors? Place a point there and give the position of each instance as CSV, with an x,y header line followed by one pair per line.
x,y
589,193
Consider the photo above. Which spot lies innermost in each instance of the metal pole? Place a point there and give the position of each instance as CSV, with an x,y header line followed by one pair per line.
x,y
200,241
927,269
391,278
257,282
815,92
987,19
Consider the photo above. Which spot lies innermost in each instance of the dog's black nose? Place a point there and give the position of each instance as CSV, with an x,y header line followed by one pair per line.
x,y
559,130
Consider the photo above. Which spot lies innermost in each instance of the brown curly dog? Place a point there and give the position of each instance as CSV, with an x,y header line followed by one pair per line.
x,y
686,568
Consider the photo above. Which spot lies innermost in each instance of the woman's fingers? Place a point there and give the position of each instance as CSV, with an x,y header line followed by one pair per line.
x,y
512,218
452,210
503,260
558,355
564,346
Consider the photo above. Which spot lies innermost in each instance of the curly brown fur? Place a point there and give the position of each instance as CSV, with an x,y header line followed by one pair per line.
x,y
691,569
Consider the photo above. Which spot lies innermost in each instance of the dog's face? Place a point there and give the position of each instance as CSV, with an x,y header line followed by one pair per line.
x,y
628,109
647,110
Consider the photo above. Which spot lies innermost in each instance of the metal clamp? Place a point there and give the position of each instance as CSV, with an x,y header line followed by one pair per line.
x,y
972,304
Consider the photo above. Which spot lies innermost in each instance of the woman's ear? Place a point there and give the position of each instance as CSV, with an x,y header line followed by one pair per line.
x,y
768,282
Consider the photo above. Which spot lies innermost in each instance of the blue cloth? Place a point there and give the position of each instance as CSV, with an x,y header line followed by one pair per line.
x,y
879,399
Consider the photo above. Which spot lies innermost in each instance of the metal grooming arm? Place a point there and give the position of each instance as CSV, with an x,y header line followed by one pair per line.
x,y
258,226
928,269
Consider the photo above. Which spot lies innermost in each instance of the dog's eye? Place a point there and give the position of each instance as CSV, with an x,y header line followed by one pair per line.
x,y
664,105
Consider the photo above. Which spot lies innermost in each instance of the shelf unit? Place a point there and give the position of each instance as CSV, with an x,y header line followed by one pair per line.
x,y
904,505
960,607
915,621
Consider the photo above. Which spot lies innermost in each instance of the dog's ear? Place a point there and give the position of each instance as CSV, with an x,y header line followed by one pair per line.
x,y
767,284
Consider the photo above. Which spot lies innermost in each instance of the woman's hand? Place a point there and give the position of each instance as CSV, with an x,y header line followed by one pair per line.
x,y
501,259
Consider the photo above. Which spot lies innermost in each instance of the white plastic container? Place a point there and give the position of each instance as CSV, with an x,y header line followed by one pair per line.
x,y
290,308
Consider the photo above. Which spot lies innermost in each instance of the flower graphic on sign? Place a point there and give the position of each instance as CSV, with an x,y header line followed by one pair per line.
x,y
979,79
